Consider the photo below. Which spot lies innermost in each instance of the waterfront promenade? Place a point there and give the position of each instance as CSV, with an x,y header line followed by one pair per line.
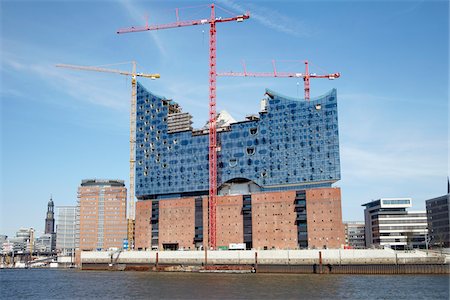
x,y
287,261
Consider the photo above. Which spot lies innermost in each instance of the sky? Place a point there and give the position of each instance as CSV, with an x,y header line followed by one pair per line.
x,y
59,126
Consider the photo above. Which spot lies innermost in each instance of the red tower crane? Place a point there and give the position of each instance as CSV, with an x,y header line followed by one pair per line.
x,y
212,100
306,76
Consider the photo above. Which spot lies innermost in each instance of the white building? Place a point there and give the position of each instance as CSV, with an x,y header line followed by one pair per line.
x,y
389,224
66,218
24,240
355,235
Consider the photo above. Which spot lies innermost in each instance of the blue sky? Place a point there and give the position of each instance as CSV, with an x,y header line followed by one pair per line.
x,y
59,126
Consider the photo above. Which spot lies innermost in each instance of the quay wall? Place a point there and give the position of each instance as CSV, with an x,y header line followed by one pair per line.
x,y
264,257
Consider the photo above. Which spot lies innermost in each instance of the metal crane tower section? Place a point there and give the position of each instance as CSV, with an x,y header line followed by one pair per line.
x,y
290,144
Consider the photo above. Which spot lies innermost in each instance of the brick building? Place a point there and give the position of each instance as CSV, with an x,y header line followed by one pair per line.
x,y
278,221
102,214
275,176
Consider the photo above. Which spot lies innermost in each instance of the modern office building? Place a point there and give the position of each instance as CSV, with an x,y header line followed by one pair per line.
x,y
389,224
438,212
355,234
275,175
102,214
24,240
66,229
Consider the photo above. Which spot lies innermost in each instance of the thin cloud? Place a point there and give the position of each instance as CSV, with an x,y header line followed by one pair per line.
x,y
136,13
76,87
367,97
390,162
377,147
11,92
415,5
364,97
79,89
265,16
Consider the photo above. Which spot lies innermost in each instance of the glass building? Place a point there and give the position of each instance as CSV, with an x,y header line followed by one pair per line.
x,y
438,212
291,144
66,217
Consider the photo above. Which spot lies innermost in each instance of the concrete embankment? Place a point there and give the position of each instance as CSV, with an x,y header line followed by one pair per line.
x,y
336,261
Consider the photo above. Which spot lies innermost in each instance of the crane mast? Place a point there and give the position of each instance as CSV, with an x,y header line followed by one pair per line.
x,y
306,76
212,133
212,101
134,75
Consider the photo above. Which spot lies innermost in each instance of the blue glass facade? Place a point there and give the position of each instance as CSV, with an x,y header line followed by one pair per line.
x,y
293,144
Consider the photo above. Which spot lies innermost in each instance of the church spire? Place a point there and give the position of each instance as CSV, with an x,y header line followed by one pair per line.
x,y
50,219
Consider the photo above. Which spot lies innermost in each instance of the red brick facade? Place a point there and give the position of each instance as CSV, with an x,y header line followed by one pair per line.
x,y
205,221
324,218
230,226
177,223
273,220
143,226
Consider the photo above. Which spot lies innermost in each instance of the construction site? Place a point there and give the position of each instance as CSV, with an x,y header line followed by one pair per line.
x,y
254,193
213,198
260,183
264,182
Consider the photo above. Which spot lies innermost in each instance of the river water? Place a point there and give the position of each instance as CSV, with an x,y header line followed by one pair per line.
x,y
75,284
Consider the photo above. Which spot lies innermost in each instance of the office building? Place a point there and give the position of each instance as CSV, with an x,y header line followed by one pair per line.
x,y
66,229
355,235
275,175
389,224
44,244
24,240
102,214
438,221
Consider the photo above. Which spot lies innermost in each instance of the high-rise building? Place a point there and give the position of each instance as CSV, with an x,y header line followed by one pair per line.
x,y
389,224
438,211
275,175
66,229
102,214
355,236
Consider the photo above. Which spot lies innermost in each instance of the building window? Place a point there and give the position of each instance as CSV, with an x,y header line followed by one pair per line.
x,y
253,131
233,162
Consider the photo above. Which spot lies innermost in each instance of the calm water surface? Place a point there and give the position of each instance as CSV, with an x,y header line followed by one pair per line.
x,y
74,284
